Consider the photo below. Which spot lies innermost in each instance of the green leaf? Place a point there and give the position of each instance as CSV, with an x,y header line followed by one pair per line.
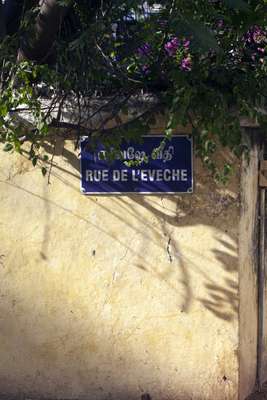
x,y
44,171
34,161
3,110
204,36
8,147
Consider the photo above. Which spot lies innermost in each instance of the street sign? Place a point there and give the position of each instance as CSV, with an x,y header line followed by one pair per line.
x,y
156,169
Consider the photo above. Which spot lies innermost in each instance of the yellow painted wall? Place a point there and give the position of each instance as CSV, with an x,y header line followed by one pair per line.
x,y
112,297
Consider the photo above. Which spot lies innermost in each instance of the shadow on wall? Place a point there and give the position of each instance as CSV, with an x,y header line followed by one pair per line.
x,y
50,340
209,206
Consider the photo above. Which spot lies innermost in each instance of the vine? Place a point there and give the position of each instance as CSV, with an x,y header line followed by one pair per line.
x,y
115,65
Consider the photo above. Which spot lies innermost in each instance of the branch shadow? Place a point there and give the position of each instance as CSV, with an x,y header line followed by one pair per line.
x,y
92,365
202,208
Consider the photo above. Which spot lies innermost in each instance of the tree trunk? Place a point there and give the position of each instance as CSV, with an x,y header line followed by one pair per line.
x,y
39,44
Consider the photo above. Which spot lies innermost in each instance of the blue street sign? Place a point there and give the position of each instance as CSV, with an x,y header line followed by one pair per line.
x,y
167,170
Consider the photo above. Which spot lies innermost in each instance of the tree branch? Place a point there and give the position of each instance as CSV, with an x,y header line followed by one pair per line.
x,y
102,131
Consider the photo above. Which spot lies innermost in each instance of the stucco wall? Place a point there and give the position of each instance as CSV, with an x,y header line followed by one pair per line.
x,y
113,297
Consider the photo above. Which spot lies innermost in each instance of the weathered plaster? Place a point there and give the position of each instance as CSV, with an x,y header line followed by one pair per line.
x,y
111,297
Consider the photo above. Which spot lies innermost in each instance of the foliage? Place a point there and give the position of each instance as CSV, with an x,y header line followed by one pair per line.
x,y
203,61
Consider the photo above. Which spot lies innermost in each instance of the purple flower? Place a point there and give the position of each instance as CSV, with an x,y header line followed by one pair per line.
x,y
144,50
186,44
175,42
255,35
220,23
186,64
261,50
145,69
172,46
258,35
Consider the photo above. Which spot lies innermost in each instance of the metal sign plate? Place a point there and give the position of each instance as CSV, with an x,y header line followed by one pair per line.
x,y
169,170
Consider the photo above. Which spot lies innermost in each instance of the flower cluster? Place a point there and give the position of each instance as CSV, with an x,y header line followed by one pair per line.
x,y
255,35
255,41
171,47
176,48
144,50
180,50
186,63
